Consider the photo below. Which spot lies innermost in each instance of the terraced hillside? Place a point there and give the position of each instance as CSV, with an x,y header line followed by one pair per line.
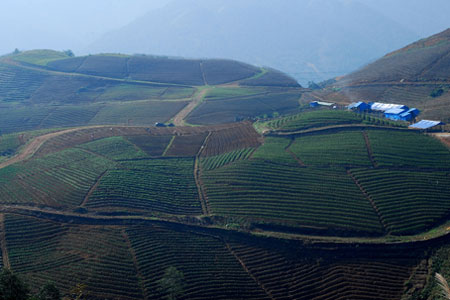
x,y
114,260
328,204
416,75
49,89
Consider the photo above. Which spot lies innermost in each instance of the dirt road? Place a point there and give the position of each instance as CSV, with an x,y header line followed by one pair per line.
x,y
30,149
178,120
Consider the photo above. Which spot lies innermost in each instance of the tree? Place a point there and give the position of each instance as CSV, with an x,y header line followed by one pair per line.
x,y
49,292
12,287
16,51
69,53
172,283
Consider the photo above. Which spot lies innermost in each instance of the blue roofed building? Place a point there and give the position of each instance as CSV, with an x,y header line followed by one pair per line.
x,y
394,113
410,114
359,106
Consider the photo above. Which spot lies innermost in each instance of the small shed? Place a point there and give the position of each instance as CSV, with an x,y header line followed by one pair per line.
x,y
426,124
359,106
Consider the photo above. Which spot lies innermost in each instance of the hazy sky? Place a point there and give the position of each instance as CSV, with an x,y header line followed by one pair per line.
x,y
75,24
64,24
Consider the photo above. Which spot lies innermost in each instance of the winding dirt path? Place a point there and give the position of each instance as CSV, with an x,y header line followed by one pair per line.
x,y
32,147
178,120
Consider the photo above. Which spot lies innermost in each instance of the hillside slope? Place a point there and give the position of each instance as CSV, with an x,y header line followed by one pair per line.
x,y
417,75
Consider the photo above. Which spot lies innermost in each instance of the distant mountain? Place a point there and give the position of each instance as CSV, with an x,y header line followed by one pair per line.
x,y
416,75
311,40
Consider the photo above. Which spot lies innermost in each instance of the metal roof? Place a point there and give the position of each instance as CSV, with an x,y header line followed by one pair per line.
x,y
385,106
394,111
425,124
324,103
355,104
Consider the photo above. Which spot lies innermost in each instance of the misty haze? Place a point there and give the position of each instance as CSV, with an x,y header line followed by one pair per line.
x,y
225,149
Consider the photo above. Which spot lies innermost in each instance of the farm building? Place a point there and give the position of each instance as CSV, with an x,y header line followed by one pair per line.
x,y
397,114
319,103
358,106
383,107
426,124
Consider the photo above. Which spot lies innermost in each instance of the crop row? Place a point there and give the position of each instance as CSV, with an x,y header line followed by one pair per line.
x,y
209,269
289,277
152,145
342,148
391,148
186,145
315,118
115,148
61,179
234,138
43,251
156,185
306,196
235,109
214,162
409,201
17,84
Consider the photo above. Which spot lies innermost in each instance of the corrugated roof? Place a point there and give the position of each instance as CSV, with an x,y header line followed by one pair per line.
x,y
355,104
385,106
425,124
324,103
394,111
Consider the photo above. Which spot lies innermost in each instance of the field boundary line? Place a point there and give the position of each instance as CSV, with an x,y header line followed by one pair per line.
x,y
205,82
300,162
135,263
242,263
369,149
93,188
5,257
372,202
198,181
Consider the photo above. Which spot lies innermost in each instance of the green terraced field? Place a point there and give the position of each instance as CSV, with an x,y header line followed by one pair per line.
x,y
408,149
274,149
408,201
115,148
61,179
214,162
99,257
155,185
152,145
338,149
281,193
209,269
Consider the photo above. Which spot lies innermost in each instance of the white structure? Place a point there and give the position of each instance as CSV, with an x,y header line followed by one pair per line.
x,y
383,107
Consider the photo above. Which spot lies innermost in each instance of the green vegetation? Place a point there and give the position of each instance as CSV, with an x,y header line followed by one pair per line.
x,y
214,162
40,57
99,257
392,148
408,201
230,92
342,148
60,180
152,145
281,193
323,118
116,148
274,149
227,110
210,270
156,185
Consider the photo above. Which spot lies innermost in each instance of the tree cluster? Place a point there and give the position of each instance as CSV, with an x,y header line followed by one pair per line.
x,y
13,288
